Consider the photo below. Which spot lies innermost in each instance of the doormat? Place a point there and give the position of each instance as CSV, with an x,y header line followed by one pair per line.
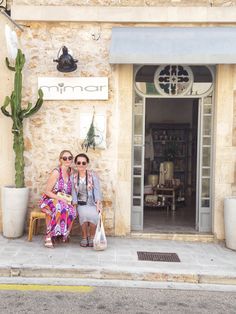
x,y
158,257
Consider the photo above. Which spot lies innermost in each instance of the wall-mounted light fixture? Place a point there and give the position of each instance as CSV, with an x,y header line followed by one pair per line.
x,y
66,63
7,14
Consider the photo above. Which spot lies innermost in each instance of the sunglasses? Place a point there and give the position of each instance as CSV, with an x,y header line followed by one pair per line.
x,y
81,163
67,158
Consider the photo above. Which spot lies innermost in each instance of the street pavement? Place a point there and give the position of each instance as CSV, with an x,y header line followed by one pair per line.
x,y
200,263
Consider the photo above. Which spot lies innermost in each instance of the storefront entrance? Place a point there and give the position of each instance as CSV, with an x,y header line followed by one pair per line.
x,y
172,149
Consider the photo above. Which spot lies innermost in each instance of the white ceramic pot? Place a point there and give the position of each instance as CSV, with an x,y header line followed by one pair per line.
x,y
230,222
14,209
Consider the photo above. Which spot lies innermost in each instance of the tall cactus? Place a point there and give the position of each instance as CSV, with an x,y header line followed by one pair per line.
x,y
17,114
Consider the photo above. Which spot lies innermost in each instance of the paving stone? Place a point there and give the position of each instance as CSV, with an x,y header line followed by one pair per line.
x,y
199,262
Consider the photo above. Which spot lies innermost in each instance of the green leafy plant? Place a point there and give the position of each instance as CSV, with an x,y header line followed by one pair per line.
x,y
17,114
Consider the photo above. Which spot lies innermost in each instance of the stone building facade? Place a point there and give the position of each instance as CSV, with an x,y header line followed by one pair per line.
x,y
86,28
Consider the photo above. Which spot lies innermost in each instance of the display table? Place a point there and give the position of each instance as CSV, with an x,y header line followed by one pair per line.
x,y
168,193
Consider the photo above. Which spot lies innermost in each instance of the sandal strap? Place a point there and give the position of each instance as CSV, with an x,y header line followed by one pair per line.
x,y
48,242
90,242
84,242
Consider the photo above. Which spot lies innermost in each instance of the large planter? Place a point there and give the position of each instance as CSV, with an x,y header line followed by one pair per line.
x,y
14,209
230,222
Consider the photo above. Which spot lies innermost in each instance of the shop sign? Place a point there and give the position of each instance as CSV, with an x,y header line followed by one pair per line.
x,y
74,88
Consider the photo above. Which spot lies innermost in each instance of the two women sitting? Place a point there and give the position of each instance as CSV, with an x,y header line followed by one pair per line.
x,y
68,191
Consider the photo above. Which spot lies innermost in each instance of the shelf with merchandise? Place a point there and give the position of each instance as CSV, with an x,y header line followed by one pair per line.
x,y
171,142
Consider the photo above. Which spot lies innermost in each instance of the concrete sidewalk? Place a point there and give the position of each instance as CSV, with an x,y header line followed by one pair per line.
x,y
207,263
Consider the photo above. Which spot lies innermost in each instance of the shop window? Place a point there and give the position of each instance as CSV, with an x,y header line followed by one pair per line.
x,y
173,80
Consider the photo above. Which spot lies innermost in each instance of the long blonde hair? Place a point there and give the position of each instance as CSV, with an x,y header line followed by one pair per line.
x,y
65,151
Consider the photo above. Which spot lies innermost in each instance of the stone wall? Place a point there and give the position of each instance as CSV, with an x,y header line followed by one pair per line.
x,y
56,126
176,3
224,159
9,3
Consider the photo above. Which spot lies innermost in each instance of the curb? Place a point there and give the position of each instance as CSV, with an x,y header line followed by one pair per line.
x,y
105,274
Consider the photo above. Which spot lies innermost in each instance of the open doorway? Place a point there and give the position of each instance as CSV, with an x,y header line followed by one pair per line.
x,y
171,128
174,106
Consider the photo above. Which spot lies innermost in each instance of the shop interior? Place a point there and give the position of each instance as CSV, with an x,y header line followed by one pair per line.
x,y
170,165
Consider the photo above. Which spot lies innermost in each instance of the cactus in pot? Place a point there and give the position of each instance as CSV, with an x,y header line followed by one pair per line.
x,y
17,114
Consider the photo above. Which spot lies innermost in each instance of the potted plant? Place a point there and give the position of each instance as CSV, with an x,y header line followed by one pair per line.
x,y
15,199
230,221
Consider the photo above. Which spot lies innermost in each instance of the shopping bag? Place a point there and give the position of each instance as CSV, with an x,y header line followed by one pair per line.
x,y
100,241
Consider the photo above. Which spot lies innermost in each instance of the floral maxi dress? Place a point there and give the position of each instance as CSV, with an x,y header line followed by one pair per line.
x,y
61,214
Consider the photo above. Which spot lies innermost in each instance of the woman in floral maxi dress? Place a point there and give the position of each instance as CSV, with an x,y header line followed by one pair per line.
x,y
59,213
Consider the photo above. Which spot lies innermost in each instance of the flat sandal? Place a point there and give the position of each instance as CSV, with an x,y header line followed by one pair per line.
x,y
84,242
90,242
66,239
48,242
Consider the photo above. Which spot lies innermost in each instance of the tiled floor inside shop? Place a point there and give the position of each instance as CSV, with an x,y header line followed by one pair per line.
x,y
161,219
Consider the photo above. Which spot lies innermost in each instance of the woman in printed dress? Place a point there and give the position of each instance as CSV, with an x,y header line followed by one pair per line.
x,y
60,213
87,188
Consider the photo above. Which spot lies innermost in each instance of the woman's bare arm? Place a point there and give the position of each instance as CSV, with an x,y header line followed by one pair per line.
x,y
51,183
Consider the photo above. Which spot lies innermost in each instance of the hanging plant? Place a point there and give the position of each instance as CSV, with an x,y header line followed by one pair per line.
x,y
89,140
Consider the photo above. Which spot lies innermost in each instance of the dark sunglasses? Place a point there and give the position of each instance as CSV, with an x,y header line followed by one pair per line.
x,y
81,163
67,158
